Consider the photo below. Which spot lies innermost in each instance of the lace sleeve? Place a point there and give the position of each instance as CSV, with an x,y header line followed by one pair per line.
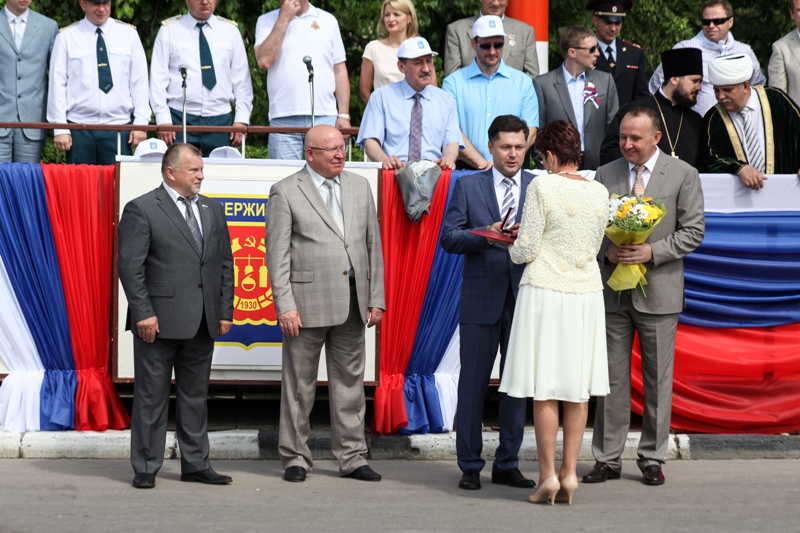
x,y
526,247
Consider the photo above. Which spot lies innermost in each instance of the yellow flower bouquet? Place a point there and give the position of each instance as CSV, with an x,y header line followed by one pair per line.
x,y
631,220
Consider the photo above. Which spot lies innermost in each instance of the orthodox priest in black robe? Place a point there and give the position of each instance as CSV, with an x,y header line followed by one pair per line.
x,y
680,125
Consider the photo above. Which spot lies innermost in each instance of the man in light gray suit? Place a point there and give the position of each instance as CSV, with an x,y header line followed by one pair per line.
x,y
576,93
519,51
784,64
326,269
644,167
26,40
176,268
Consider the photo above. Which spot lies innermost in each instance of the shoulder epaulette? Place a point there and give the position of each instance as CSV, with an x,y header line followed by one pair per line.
x,y
125,23
632,44
71,25
171,20
228,20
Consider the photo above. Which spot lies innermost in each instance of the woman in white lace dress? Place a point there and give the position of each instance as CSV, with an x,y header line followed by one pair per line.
x,y
557,348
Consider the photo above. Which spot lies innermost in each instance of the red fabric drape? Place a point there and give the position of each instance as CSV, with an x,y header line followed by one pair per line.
x,y
408,251
732,380
80,200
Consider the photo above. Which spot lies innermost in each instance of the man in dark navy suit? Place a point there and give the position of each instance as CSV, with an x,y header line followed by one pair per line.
x,y
622,59
488,295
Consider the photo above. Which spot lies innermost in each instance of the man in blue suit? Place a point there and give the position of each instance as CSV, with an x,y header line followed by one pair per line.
x,y
488,294
26,40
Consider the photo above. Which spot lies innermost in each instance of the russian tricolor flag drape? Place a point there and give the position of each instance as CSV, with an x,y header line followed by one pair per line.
x,y
56,253
737,360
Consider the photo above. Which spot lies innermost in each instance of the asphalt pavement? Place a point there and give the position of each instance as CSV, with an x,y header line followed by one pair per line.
x,y
65,496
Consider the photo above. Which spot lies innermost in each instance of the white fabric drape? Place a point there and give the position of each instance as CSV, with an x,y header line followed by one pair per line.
x,y
19,393
446,376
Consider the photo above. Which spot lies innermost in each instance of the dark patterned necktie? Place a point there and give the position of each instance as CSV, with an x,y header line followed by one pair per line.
x,y
415,130
194,227
206,62
103,69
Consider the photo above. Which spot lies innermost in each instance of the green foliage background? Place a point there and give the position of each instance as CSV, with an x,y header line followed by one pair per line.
x,y
654,24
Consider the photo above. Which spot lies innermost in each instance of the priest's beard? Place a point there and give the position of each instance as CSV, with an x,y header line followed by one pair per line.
x,y
683,99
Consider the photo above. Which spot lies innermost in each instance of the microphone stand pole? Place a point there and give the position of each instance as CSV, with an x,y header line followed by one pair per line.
x,y
311,90
184,110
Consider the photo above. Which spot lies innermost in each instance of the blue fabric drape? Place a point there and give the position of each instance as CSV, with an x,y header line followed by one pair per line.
x,y
437,324
28,250
746,273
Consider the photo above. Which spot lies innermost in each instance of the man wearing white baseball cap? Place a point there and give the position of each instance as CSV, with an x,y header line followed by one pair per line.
x,y
411,119
486,89
752,131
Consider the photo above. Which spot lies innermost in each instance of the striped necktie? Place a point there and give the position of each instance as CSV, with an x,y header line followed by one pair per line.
x,y
415,130
638,184
194,227
508,202
755,154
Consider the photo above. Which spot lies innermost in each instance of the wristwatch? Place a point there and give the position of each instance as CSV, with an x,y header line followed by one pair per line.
x,y
345,116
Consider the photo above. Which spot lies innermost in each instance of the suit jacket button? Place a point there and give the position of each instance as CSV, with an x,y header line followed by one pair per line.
x,y
345,272
200,286
346,246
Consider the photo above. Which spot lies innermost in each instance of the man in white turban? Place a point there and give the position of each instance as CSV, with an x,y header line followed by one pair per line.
x,y
752,131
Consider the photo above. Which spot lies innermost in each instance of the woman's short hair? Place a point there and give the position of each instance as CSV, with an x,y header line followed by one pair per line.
x,y
404,6
562,139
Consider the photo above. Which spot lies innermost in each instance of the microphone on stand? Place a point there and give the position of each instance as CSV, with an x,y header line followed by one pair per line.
x,y
182,70
307,61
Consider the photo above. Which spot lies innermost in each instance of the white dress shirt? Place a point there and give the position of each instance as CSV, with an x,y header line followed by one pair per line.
x,y
575,86
75,94
182,207
178,43
18,27
500,191
648,171
756,117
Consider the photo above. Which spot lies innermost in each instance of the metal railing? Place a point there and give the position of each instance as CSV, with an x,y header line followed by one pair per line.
x,y
120,128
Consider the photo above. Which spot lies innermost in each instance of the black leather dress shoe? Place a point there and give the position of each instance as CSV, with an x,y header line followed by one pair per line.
x,y
364,473
144,481
652,475
295,474
470,480
600,473
512,478
207,476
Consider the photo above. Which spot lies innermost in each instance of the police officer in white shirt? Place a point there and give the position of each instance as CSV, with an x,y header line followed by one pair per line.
x,y
213,52
98,75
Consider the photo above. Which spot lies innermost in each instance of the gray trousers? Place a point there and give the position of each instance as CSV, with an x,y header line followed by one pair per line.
x,y
344,356
613,414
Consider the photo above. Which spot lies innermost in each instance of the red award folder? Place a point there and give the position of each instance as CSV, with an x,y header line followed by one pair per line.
x,y
504,237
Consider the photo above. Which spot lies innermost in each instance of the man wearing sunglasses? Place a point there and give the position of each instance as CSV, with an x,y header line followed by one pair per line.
x,y
519,52
577,93
486,89
622,59
714,40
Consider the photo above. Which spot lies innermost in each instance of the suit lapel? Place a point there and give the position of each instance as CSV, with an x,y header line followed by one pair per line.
x,y
205,220
658,176
5,30
795,47
165,203
309,189
526,180
563,95
31,29
348,196
487,187
620,176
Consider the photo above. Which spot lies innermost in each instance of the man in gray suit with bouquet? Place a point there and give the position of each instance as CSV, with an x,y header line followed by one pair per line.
x,y
176,268
645,170
489,285
325,265
26,40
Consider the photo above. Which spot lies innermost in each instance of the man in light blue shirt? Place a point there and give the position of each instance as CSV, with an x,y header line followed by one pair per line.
x,y
386,128
488,88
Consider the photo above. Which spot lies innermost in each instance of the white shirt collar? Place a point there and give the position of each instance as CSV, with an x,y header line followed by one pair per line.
x,y
11,16
569,77
175,195
319,179
650,164
498,178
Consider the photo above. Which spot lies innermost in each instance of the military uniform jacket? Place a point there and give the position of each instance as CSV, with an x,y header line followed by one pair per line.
x,y
628,71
